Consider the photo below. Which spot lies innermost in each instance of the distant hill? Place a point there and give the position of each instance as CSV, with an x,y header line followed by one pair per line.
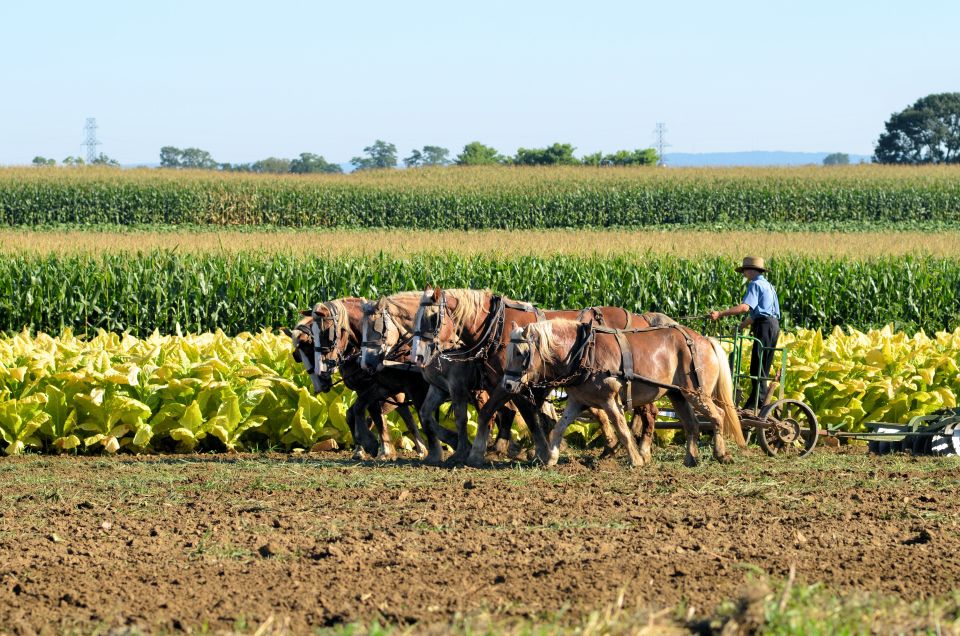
x,y
751,158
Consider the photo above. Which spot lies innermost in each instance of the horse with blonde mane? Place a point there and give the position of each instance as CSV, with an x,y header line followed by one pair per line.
x,y
597,366
387,334
460,345
328,339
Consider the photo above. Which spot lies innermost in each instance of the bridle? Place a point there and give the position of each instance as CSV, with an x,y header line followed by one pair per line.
x,y
509,375
311,362
323,347
380,326
430,337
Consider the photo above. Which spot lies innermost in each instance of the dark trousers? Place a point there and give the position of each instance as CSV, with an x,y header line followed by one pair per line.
x,y
767,331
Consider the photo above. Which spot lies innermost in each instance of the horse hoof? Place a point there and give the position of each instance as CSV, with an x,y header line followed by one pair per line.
x,y
502,447
725,459
387,457
690,462
433,459
360,455
607,452
475,461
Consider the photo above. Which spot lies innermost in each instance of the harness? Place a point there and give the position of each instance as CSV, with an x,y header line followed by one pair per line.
x,y
323,347
626,374
581,360
379,326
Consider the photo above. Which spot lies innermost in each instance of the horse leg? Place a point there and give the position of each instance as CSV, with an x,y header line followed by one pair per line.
x,y
413,429
531,411
486,410
691,427
609,435
459,406
377,410
364,444
647,416
574,407
435,397
720,452
505,417
613,411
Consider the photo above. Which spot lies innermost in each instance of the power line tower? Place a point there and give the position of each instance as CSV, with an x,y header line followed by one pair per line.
x,y
660,142
91,139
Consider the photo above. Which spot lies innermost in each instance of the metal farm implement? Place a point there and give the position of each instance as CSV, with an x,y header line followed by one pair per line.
x,y
780,425
788,427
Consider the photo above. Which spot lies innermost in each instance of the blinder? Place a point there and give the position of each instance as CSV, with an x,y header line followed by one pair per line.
x,y
327,343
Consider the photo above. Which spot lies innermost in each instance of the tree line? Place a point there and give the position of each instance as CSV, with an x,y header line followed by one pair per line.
x,y
383,155
927,132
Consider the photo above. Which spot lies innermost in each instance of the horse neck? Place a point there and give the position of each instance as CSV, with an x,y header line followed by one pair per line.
x,y
471,334
564,340
354,307
404,320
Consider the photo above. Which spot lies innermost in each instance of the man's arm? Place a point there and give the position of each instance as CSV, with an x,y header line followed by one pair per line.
x,y
736,310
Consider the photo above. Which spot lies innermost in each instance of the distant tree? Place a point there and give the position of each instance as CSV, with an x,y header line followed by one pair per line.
x,y
308,163
555,155
380,155
594,159
836,159
170,157
476,154
73,161
271,165
638,157
415,160
196,158
104,160
43,161
430,156
926,132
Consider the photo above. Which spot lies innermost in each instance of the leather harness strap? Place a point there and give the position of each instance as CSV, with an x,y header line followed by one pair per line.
x,y
626,367
519,306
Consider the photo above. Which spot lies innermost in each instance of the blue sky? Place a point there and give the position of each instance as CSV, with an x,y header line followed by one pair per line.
x,y
246,80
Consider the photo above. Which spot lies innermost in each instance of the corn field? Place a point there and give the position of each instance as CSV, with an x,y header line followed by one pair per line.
x,y
167,291
465,198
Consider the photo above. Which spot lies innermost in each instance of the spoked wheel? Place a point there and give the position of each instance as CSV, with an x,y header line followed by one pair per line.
x,y
791,429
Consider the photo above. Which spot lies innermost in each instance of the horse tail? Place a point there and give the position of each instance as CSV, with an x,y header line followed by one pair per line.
x,y
723,394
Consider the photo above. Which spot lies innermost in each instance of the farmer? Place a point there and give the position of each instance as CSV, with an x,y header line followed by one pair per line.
x,y
763,309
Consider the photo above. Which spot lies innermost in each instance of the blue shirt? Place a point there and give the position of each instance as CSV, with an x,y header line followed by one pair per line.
x,y
761,297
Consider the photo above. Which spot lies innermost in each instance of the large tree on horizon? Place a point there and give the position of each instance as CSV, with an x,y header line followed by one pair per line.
x,y
926,132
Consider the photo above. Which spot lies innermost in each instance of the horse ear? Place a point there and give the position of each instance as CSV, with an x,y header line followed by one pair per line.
x,y
436,294
286,332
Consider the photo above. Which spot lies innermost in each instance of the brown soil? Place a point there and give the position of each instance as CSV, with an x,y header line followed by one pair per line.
x,y
178,542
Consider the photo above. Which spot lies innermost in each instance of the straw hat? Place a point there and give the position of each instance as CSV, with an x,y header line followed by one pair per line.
x,y
752,262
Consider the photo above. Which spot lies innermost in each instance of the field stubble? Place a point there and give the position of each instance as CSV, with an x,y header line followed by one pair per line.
x,y
686,243
216,543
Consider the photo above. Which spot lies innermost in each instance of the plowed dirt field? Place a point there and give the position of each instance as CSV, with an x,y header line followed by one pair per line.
x,y
220,543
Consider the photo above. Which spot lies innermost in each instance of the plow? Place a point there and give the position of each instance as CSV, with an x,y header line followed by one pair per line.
x,y
783,426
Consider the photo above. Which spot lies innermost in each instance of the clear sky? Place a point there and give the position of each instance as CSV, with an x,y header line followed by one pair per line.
x,y
247,80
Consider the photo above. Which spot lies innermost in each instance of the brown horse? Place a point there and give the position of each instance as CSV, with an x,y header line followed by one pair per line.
x,y
464,330
328,339
387,335
596,365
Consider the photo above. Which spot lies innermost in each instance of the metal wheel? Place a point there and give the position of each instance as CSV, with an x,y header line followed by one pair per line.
x,y
791,429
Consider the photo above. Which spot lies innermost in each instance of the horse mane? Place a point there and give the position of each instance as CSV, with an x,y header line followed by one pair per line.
x,y
545,342
469,305
394,301
343,321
